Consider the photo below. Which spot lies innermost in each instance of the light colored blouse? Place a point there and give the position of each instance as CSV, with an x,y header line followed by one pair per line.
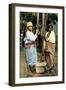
x,y
30,37
51,37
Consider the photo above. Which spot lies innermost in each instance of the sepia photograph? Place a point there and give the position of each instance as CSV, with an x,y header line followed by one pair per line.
x,y
38,44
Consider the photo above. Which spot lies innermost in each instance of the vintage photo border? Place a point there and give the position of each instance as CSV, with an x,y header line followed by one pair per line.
x,y
12,43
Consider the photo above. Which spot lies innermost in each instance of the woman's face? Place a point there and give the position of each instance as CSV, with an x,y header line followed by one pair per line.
x,y
30,28
50,28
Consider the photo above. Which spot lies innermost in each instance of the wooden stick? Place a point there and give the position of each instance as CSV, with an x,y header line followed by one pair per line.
x,y
43,33
37,20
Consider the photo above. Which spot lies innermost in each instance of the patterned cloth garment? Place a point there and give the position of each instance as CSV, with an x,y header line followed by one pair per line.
x,y
31,53
50,48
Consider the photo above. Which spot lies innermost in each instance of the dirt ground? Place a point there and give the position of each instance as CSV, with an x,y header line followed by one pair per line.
x,y
24,71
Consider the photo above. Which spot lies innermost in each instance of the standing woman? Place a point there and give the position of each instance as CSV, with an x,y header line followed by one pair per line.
x,y
50,47
30,47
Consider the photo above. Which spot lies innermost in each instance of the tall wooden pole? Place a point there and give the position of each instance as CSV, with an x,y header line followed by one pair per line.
x,y
37,27
37,21
43,34
44,29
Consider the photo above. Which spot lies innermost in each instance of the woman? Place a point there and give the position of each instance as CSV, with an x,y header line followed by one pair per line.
x,y
30,47
50,47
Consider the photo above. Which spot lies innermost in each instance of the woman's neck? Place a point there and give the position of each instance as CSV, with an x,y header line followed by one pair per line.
x,y
29,30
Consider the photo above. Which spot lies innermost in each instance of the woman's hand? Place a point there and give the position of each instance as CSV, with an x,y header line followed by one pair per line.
x,y
37,31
